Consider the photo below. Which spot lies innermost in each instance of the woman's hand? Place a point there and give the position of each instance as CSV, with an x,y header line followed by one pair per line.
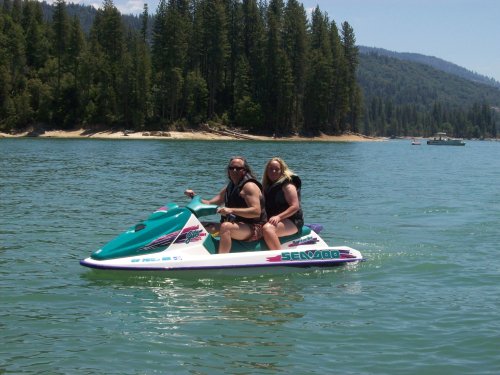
x,y
274,220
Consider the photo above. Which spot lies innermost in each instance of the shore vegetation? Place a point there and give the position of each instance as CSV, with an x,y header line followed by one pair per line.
x,y
262,66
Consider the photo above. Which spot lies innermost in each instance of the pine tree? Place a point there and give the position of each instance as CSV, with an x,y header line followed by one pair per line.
x,y
253,51
248,113
107,51
351,56
320,78
13,68
295,42
6,7
72,92
339,104
234,17
37,47
4,75
142,68
76,46
159,61
215,49
60,27
171,33
144,26
196,97
16,12
279,74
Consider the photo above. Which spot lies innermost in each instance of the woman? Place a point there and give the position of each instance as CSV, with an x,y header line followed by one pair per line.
x,y
282,192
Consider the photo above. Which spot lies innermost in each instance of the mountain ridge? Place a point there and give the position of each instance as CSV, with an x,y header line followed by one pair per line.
x,y
435,62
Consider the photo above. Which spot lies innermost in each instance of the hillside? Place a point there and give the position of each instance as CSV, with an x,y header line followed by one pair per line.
x,y
409,98
434,62
86,14
406,82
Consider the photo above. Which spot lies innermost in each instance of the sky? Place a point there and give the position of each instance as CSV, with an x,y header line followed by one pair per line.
x,y
464,32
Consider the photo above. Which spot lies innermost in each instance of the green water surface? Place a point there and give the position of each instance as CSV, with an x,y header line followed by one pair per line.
x,y
426,301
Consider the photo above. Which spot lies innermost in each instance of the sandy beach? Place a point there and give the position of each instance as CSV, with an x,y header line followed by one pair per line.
x,y
189,135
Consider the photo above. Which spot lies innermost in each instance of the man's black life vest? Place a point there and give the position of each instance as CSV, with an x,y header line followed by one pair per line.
x,y
233,199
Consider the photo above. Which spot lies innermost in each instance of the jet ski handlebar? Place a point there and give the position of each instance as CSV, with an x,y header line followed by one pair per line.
x,y
200,209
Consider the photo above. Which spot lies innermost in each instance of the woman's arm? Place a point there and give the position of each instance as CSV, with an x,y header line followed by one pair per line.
x,y
292,198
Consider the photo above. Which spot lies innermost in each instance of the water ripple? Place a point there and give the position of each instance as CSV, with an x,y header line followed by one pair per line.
x,y
424,302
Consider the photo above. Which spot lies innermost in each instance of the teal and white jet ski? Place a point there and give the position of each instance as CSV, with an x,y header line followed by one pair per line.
x,y
174,239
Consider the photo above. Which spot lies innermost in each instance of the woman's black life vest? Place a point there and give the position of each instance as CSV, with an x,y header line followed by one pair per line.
x,y
276,202
233,199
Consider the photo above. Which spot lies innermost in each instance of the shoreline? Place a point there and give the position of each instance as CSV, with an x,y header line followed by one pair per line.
x,y
200,135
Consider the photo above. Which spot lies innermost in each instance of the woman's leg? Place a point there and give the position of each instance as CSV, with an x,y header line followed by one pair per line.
x,y
272,233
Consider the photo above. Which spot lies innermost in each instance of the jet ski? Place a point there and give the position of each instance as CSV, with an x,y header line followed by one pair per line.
x,y
174,239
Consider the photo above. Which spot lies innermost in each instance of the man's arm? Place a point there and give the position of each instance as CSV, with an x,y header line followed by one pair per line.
x,y
251,194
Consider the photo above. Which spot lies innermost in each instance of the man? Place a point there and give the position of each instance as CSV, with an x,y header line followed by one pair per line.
x,y
244,211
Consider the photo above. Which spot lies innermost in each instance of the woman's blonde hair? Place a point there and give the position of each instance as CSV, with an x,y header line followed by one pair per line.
x,y
286,173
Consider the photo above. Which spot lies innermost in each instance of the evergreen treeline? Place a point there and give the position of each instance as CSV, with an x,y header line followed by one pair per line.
x,y
261,65
409,99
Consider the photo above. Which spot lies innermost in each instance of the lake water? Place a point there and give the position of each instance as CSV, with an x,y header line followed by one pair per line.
x,y
426,301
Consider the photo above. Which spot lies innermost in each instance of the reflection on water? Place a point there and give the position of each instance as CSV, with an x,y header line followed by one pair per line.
x,y
249,314
261,300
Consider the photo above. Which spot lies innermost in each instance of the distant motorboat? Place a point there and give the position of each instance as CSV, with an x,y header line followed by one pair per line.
x,y
441,139
415,143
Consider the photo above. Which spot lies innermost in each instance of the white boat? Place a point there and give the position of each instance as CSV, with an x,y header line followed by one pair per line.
x,y
174,239
441,139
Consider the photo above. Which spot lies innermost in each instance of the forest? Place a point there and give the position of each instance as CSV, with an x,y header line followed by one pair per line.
x,y
406,99
264,66
260,66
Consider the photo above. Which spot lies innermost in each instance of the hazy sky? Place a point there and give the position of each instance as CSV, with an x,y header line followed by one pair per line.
x,y
464,32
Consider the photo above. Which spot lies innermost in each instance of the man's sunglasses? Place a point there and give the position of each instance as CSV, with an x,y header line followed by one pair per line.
x,y
235,169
